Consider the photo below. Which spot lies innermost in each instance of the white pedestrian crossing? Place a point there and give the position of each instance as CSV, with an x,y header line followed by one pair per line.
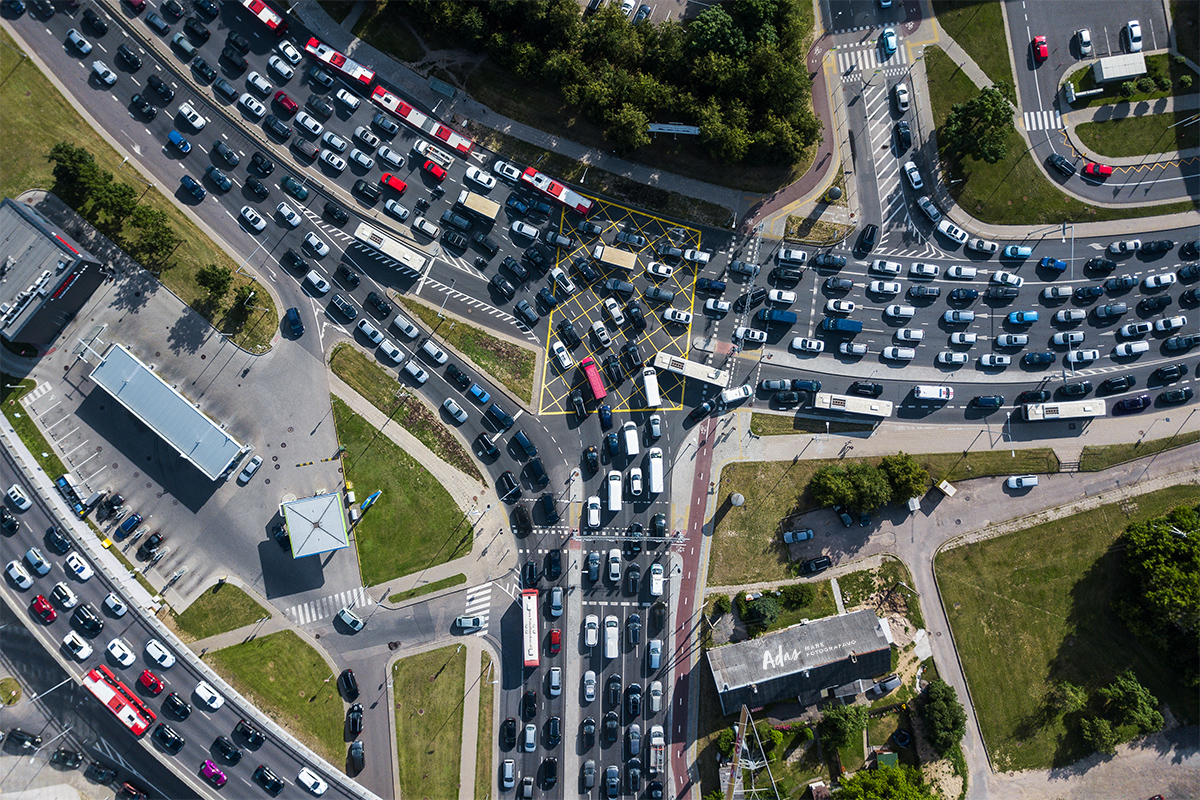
x,y
868,59
325,607
479,604
1042,120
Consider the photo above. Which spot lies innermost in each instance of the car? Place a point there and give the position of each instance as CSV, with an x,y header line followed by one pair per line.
x,y
45,611
994,360
1158,246
1136,329
834,284
806,345
82,45
952,231
852,349
814,565
1082,356
253,218
1062,164
252,106
1133,32
899,353
103,73
151,682
288,51
910,335
902,96
1120,284
1077,389
17,574
271,782
1099,171
1125,246
781,297
1054,293
963,295
1182,342
1119,383
1175,396
677,316
1169,373
913,175
1041,50
1170,323
888,42
1022,481
958,317
1159,281
168,738
208,695
121,652
1132,404
315,243
950,358
883,287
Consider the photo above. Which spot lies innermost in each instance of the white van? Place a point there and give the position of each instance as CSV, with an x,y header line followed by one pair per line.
x,y
656,470
614,490
656,580
650,380
630,432
612,636
924,392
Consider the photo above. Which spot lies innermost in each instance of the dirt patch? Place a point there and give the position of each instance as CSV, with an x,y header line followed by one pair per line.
x,y
937,771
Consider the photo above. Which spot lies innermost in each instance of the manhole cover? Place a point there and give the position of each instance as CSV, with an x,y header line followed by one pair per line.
x,y
958,522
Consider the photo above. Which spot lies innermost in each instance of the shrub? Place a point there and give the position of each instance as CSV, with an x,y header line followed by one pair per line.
x,y
1128,88
804,734
761,613
1163,82
944,716
842,724
722,605
725,741
1145,84
1185,81
798,595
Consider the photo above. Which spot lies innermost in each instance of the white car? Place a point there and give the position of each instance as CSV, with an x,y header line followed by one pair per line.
x,y
306,121
1170,323
80,43
1084,37
253,219
1070,315
478,176
714,306
1068,338
454,410
334,142
961,273
952,231
17,497
346,98
391,352
253,107
593,512
894,353
750,335
309,780
564,283
103,73
78,567
994,360
591,630
897,311
589,683
319,247
18,575
1082,356
806,345
614,311
1007,279
361,158
289,214
414,371
1134,29
258,83
434,353
195,120
914,175
635,481
1012,340
333,160
251,467
396,209
520,228
115,605
963,337
920,270
910,335
883,287
37,562
390,156
208,695
951,358
507,171
159,654
891,268
121,652
1022,481
659,269
1135,329
781,296
902,96
426,227
555,685
281,67
560,353
77,646
1126,246
983,246
288,51
601,334
852,349
405,327
1159,281
675,315
1056,293
700,257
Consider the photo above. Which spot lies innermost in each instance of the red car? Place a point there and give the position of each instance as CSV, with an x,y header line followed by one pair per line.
x,y
43,609
392,182
136,5
434,170
1040,51
555,641
286,103
1097,170
152,682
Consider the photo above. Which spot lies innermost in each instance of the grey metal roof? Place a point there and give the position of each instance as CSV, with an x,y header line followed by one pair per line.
x,y
316,524
167,412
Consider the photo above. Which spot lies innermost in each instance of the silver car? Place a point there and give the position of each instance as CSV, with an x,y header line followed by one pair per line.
x,y
455,410
589,685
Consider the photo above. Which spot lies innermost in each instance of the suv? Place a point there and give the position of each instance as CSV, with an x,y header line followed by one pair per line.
x,y
814,565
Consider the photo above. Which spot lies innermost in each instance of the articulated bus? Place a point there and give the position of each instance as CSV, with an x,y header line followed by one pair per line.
x,y
556,191
119,699
1076,409
595,382
431,127
406,259
356,72
529,627
866,406
267,16
691,369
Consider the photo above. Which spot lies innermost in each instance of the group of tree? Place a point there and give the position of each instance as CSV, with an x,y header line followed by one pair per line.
x,y
1119,712
758,614
737,71
945,719
885,783
112,207
842,724
979,127
865,487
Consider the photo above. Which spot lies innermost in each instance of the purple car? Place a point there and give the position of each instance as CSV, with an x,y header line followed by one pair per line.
x,y
214,775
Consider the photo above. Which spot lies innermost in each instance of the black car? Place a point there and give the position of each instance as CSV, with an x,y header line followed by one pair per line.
x,y
508,488
632,354
267,779
455,239
529,573
293,260
348,684
1120,284
180,708
1169,373
1034,396
1078,389
253,736
815,565
8,523
508,732
204,69
258,188
320,106
150,546
67,759
168,738
1131,404
614,690
829,260
787,399
515,268
636,318
98,773
750,299
1173,396
235,58
537,257
867,239
577,405
196,30
143,106
262,164
59,542
24,741
238,42
336,212
172,7
634,573
461,379
553,732
503,287
963,295
526,314
97,22
1158,246
633,699
1061,163
537,473
1191,297
320,77
1156,303
566,329
591,458
636,534
611,724
358,757
354,718
785,275
867,389
550,510
161,88
209,7
1117,384
131,59
86,619
522,521
547,297
224,151
701,411
612,368
382,307
1100,264
1002,292
1089,292
903,136
277,128
658,526
529,704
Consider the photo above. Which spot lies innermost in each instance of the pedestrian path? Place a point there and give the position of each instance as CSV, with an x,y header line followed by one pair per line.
x,y
323,608
479,604
1043,120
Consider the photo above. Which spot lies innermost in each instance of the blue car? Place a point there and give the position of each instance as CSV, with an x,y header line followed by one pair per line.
x,y
1053,263
614,444
605,417
194,188
1022,318
479,394
888,40
181,144
129,525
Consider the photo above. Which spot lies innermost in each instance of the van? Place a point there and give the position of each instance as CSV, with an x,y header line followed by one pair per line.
x,y
612,634
650,381
736,394
615,487
926,392
523,440
843,325
656,470
772,315
630,433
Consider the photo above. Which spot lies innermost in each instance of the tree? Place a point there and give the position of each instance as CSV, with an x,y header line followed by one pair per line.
x,y
76,175
842,723
761,613
722,605
714,31
1099,735
1164,568
831,486
871,487
907,477
1128,88
117,200
980,126
944,716
629,128
1068,697
725,741
1127,703
216,280
1146,85
885,783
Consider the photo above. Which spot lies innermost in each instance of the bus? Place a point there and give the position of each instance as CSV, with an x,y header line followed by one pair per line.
x,y
119,699
866,406
1076,409
405,258
691,369
529,626
546,185
650,381
595,382
267,16
357,73
409,115
612,257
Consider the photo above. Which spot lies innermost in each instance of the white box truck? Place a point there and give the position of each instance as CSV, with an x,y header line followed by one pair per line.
x,y
656,470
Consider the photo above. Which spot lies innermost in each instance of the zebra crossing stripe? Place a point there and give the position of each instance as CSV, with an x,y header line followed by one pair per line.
x,y
1042,120
325,607
868,58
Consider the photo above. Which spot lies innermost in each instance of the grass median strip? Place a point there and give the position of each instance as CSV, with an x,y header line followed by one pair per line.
x,y
223,608
429,588
415,523
401,405
289,681
27,430
483,744
1139,136
747,547
783,424
509,363
1100,457
1036,607
428,691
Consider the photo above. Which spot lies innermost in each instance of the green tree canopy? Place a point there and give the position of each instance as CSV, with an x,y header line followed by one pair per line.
x,y
77,177
980,126
907,477
1099,734
1129,704
629,128
715,31
216,280
885,783
831,486
842,723
944,716
1162,558
871,487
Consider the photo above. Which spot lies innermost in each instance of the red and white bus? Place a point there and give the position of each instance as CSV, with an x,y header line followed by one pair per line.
x,y
407,114
119,699
356,72
267,16
595,382
556,191
529,627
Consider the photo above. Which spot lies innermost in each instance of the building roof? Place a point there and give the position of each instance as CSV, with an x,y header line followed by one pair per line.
x,y
796,662
1119,67
199,440
316,524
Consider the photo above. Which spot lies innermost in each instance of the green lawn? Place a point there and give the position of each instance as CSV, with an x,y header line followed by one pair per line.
x,y
428,690
1035,607
405,409
746,546
38,117
1100,457
823,605
793,773
979,29
429,588
415,524
289,681
1013,190
220,609
11,392
484,744
1157,66
1137,136
784,424
507,362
